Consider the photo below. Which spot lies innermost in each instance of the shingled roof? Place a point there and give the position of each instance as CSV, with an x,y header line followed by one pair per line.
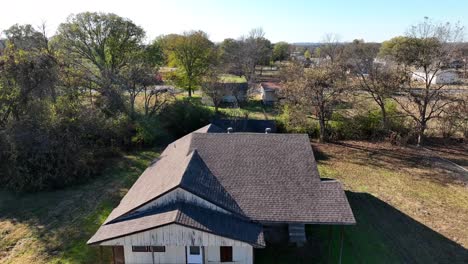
x,y
186,215
257,177
264,177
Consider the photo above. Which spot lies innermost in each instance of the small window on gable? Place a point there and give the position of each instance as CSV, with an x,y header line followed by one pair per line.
x,y
225,254
140,249
158,248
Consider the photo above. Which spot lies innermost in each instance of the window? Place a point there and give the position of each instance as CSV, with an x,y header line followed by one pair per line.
x,y
226,254
194,250
158,248
148,248
140,249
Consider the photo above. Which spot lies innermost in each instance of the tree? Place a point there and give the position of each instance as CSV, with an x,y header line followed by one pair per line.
x,y
379,80
231,56
213,87
257,51
331,48
101,45
280,51
307,54
313,91
422,53
192,53
27,73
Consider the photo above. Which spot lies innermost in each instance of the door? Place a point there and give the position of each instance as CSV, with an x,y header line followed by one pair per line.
x,y
194,255
118,252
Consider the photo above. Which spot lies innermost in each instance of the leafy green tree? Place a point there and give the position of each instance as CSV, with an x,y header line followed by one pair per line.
x,y
280,51
192,53
102,45
307,54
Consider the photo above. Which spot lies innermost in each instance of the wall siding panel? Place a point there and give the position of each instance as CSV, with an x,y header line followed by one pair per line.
x,y
176,238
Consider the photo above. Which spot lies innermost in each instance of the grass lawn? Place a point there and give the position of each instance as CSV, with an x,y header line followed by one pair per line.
x,y
410,208
53,227
229,78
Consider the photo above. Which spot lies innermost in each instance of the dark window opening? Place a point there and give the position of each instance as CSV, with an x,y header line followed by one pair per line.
x,y
226,254
158,248
148,248
194,250
140,249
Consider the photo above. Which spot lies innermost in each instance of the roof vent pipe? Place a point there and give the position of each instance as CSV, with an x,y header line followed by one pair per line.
x,y
229,130
267,130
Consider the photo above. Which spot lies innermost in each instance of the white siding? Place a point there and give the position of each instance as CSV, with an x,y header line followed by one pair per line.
x,y
242,255
176,238
182,195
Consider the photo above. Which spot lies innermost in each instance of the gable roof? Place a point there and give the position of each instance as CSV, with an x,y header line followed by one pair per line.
x,y
264,177
271,86
186,215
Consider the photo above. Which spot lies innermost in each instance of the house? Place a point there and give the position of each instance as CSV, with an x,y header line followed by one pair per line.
x,y
211,194
232,93
441,77
270,92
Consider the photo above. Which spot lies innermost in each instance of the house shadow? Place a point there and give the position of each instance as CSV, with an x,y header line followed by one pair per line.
x,y
383,234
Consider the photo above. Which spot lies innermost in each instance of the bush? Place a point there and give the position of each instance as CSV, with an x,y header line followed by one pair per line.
x,y
184,116
149,131
58,146
290,122
368,125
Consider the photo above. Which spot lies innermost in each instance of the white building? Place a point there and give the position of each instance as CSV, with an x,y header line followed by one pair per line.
x,y
441,77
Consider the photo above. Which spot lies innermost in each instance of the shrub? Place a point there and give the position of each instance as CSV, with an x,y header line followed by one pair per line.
x,y
184,116
149,131
368,125
58,145
290,122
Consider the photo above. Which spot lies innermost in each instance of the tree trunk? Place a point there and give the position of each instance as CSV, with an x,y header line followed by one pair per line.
x,y
384,117
421,131
322,136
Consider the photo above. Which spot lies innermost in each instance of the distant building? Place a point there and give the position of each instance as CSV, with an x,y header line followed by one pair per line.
x,y
232,93
270,92
441,77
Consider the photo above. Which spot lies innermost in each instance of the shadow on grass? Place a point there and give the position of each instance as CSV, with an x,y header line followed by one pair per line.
x,y
63,220
383,234
393,158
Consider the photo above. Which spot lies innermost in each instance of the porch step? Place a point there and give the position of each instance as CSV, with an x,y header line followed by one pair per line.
x,y
297,233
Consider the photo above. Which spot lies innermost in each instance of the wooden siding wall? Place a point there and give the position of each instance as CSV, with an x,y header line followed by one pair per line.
x,y
175,238
182,195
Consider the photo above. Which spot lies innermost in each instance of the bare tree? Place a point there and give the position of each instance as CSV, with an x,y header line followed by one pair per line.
x,y
313,91
422,53
213,87
331,47
379,80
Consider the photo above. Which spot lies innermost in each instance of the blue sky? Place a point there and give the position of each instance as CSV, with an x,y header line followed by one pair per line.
x,y
292,21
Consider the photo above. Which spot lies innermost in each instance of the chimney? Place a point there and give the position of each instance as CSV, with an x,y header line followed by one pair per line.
x,y
229,130
267,130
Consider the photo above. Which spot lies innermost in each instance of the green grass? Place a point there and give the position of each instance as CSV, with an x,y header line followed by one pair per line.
x,y
53,227
229,78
